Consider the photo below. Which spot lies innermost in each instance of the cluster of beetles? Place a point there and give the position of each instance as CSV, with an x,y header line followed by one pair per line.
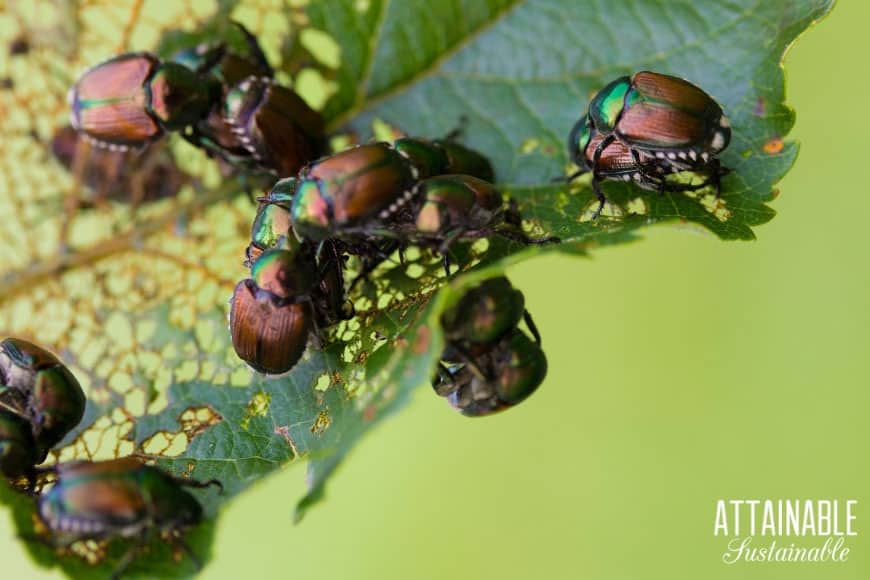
x,y
41,402
371,201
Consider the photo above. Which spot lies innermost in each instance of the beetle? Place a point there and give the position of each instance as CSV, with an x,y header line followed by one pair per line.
x,y
229,67
276,127
374,200
132,99
450,208
257,125
39,387
618,162
119,175
441,156
272,229
643,127
353,190
362,188
288,298
488,363
271,316
501,377
18,453
272,226
119,498
485,313
230,60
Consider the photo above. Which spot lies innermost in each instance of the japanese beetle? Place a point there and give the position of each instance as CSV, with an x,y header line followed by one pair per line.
x,y
442,156
119,498
350,192
229,68
272,227
271,316
132,99
643,127
131,176
40,388
288,297
499,378
18,452
276,127
618,162
661,114
257,125
452,208
488,364
485,313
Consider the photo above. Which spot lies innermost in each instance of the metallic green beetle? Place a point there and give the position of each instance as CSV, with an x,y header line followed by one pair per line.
x,y
37,386
119,498
662,114
485,313
132,99
273,227
443,156
361,190
488,364
271,314
352,192
451,208
229,61
643,127
276,127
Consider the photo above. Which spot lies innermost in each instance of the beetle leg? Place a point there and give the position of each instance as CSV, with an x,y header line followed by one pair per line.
x,y
316,337
660,186
212,57
193,137
527,316
46,469
717,176
444,248
596,188
13,402
445,263
445,384
596,177
470,363
255,48
457,133
129,556
372,256
569,178
513,218
31,482
369,264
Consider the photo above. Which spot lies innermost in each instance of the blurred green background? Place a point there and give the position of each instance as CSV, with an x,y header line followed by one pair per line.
x,y
682,370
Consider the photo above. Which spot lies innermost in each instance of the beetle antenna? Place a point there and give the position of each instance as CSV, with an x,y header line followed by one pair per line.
x,y
456,133
569,178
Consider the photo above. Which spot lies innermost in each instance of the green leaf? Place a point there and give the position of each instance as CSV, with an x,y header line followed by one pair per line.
x,y
136,301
